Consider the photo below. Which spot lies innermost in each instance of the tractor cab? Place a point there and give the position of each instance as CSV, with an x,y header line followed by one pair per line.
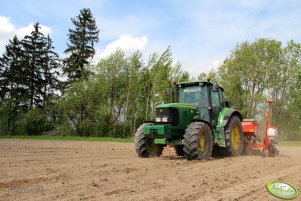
x,y
206,96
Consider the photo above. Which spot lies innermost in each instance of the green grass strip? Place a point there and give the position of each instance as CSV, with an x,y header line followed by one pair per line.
x,y
69,138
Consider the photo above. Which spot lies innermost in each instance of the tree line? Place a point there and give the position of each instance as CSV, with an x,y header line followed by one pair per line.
x,y
265,70
42,93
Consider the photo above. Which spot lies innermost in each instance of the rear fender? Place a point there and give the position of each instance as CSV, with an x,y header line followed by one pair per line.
x,y
223,119
225,115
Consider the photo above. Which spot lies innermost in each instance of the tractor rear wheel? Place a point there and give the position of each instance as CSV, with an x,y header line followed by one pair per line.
x,y
179,150
234,138
144,146
198,141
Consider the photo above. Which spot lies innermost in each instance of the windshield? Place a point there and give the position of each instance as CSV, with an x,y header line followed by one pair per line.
x,y
196,95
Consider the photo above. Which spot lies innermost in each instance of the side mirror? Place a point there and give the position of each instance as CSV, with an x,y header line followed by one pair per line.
x,y
228,104
215,87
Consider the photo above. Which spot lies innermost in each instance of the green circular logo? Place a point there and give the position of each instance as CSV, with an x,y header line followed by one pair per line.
x,y
282,190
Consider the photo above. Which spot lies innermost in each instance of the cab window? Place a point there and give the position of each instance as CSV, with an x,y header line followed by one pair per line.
x,y
215,99
196,95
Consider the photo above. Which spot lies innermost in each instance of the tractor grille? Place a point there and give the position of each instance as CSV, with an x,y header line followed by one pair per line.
x,y
171,113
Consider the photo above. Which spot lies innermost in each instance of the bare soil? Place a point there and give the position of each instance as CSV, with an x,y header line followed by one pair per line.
x,y
67,170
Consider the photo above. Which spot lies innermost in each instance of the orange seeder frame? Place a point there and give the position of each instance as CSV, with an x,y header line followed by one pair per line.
x,y
266,140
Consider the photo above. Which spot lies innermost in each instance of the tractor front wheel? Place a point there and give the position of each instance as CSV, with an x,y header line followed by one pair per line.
x,y
144,146
198,141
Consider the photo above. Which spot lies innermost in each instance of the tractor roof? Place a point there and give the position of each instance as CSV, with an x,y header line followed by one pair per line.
x,y
197,82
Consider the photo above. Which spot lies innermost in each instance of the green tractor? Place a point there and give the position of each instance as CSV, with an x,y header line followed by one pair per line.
x,y
196,123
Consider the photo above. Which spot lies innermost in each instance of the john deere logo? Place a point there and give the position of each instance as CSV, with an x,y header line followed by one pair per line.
x,y
282,190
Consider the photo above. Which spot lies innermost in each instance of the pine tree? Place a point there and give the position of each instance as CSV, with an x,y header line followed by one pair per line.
x,y
42,65
34,50
81,47
13,73
29,70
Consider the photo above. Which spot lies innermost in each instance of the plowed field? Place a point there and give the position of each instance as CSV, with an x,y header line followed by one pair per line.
x,y
68,170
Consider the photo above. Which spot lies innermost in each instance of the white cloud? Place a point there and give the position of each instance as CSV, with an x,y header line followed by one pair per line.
x,y
23,31
5,25
8,30
127,43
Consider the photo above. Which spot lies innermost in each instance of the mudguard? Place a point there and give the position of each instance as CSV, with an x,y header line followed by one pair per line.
x,y
223,118
225,115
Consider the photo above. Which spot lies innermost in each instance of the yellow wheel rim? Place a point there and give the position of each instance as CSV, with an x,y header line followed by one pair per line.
x,y
235,137
202,141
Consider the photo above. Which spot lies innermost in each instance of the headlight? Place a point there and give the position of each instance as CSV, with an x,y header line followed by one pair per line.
x,y
158,119
164,119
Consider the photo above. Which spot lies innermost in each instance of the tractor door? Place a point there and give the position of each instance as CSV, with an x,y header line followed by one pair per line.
x,y
216,103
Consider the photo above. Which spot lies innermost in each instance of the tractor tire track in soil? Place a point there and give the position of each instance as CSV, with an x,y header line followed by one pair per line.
x,y
68,170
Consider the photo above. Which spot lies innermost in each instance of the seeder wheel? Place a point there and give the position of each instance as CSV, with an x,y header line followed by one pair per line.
x,y
272,151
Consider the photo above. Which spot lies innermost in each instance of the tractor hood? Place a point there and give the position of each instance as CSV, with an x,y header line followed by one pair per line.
x,y
179,114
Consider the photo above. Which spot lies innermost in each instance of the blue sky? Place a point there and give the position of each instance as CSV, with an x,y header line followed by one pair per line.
x,y
201,33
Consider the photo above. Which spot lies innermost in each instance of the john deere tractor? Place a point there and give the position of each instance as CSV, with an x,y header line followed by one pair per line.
x,y
196,123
